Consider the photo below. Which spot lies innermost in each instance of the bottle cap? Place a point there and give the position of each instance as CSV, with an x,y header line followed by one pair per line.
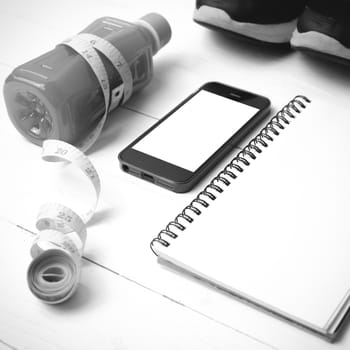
x,y
159,28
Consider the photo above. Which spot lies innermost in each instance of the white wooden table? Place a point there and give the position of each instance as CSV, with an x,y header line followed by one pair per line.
x,y
125,299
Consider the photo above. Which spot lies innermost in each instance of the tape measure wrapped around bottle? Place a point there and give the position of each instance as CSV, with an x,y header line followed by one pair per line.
x,y
54,273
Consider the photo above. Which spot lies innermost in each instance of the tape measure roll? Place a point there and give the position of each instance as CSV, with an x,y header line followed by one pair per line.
x,y
53,274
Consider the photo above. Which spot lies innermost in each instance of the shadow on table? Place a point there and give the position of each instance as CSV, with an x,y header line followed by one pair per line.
x,y
331,68
100,216
229,41
82,298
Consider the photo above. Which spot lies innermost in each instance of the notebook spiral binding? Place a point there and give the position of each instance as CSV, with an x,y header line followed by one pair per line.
x,y
231,170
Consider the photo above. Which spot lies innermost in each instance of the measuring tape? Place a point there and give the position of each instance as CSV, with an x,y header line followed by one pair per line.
x,y
53,274
87,45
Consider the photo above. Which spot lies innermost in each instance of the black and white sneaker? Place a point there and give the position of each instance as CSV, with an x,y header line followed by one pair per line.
x,y
271,21
324,28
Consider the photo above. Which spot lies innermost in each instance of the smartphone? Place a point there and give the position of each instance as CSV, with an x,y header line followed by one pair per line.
x,y
182,147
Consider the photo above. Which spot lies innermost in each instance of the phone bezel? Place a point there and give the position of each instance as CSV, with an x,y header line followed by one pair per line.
x,y
179,179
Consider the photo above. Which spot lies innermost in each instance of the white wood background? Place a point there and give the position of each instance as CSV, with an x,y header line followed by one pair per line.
x,y
126,300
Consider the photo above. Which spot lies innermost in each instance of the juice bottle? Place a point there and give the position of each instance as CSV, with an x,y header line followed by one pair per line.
x,y
57,95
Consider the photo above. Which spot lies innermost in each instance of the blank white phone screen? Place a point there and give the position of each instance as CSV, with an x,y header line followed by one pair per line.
x,y
196,130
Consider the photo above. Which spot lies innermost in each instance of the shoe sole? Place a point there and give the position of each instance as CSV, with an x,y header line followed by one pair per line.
x,y
280,33
321,44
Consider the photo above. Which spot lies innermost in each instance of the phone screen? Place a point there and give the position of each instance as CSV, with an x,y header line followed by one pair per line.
x,y
196,130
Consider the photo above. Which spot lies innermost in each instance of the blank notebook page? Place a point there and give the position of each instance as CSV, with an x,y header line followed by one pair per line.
x,y
280,233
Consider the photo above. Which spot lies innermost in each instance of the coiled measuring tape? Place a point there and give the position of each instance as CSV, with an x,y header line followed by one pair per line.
x,y
53,274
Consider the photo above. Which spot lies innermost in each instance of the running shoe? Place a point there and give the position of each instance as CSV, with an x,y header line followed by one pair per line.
x,y
324,28
269,21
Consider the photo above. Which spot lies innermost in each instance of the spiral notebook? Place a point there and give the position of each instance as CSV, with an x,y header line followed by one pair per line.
x,y
273,227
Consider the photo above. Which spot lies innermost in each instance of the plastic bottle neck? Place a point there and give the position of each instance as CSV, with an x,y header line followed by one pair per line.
x,y
156,45
157,27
